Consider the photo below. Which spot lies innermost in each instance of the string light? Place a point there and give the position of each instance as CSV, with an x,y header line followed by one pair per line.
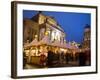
x,y
46,33
36,36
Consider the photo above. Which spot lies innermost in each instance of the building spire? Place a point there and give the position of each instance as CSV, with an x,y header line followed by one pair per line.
x,y
87,26
40,12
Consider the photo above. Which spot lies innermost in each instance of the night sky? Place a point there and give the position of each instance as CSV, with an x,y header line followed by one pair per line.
x,y
72,23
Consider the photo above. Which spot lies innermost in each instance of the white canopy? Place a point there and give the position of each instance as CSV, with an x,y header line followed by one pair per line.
x,y
45,40
34,43
64,45
26,45
56,43
71,46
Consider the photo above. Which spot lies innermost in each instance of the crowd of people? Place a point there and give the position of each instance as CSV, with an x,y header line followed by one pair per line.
x,y
61,58
57,59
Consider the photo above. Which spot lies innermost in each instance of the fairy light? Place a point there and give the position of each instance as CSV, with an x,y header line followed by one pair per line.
x,y
36,36
46,33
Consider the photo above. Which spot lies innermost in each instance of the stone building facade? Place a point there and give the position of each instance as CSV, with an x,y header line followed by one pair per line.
x,y
40,24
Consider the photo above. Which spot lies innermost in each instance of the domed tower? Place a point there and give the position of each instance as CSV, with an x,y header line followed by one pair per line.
x,y
87,37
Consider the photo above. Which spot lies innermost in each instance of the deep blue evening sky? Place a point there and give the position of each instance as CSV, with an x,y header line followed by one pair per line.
x,y
72,23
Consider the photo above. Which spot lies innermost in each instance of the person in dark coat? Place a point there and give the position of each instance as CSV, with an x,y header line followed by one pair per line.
x,y
50,58
67,57
56,59
24,59
82,58
42,60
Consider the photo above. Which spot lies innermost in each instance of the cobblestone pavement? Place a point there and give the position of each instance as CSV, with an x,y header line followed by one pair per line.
x,y
69,64
63,64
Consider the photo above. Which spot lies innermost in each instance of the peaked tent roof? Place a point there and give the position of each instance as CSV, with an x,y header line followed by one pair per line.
x,y
45,40
34,43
